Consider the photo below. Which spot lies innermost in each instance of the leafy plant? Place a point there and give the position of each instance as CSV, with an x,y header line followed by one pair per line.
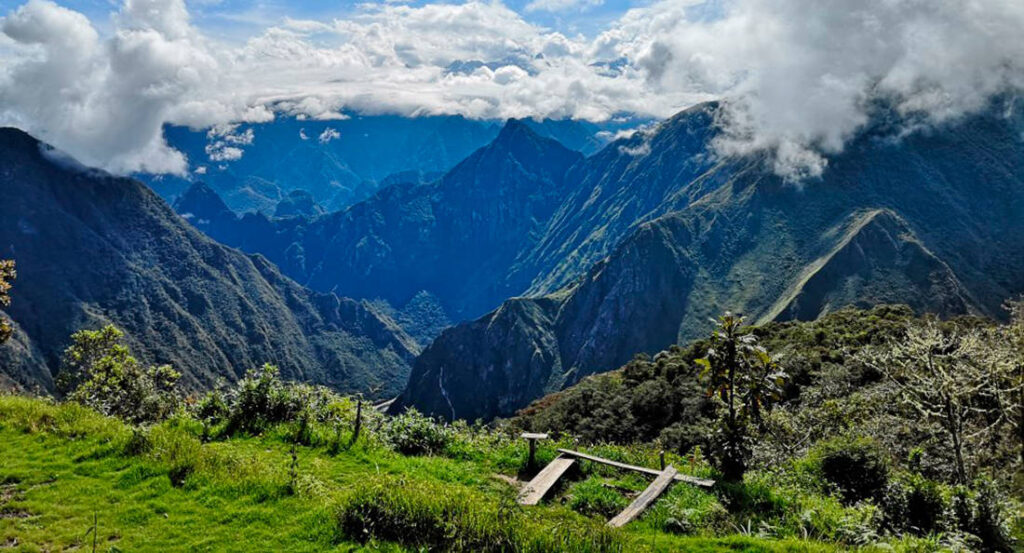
x,y
941,374
591,497
855,466
746,380
100,372
414,434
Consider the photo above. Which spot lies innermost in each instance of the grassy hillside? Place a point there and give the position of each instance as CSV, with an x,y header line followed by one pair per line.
x,y
164,489
191,484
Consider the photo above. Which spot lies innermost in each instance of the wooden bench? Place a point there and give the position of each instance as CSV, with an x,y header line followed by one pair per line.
x,y
541,484
701,482
644,500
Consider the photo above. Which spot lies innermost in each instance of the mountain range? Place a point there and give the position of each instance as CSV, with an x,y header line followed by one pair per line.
x,y
656,237
529,265
92,249
341,161
454,240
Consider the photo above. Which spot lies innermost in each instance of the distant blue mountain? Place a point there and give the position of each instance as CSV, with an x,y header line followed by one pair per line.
x,y
341,162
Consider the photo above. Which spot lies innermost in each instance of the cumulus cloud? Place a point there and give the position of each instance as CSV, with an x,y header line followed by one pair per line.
x,y
797,77
328,135
102,100
800,76
561,5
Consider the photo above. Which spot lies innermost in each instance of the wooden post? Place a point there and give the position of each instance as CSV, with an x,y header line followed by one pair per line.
x,y
359,421
532,438
661,457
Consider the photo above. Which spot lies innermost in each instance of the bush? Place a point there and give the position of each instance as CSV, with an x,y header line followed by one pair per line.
x,y
438,518
983,513
261,398
856,467
913,504
99,372
414,434
212,408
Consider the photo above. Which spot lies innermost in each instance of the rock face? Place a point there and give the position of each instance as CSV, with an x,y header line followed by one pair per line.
x,y
92,249
935,220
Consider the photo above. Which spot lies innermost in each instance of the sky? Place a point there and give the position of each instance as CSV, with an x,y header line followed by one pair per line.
x,y
100,78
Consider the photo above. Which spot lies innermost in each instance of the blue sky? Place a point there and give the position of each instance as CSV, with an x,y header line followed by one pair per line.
x,y
240,19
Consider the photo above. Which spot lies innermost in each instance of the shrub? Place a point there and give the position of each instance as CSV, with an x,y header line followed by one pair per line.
x,y
261,398
983,513
212,407
414,434
100,373
857,467
913,504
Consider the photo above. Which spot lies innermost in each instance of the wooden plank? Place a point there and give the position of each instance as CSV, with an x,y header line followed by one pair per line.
x,y
702,482
541,484
533,436
644,500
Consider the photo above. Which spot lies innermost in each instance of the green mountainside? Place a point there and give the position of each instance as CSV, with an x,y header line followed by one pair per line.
x,y
92,249
934,220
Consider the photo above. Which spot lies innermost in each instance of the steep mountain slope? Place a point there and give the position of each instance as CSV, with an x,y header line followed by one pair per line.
x,y
630,182
456,238
93,249
935,220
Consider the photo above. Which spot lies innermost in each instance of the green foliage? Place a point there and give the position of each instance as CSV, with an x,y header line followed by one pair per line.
x,y
913,504
857,467
437,518
70,462
98,371
413,434
594,497
212,407
7,276
746,380
944,376
261,399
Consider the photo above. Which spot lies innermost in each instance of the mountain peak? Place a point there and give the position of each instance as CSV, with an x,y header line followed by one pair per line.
x,y
515,130
201,202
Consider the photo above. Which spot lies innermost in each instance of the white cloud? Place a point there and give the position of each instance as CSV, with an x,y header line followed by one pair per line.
x,y
798,76
328,135
802,75
561,5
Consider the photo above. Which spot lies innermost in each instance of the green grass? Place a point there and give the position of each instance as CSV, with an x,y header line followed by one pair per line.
x,y
164,489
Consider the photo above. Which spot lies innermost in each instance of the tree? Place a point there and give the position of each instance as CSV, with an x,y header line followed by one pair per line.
x,y
88,348
746,381
942,375
1008,366
7,275
99,371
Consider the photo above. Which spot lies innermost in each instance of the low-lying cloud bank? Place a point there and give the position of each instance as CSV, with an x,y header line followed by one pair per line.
x,y
798,75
